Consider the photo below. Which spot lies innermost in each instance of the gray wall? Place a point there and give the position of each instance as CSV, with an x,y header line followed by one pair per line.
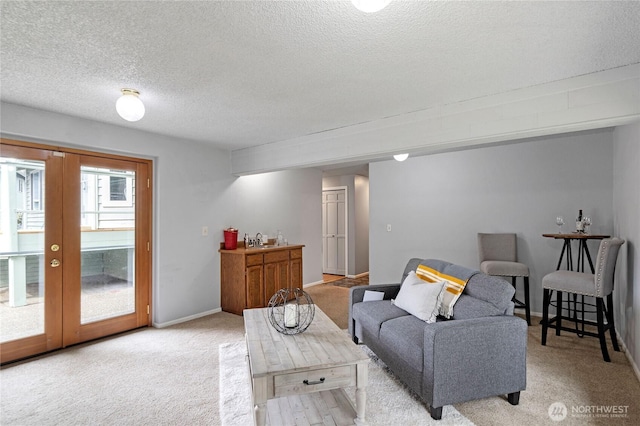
x,y
437,204
358,210
361,202
626,207
192,188
289,201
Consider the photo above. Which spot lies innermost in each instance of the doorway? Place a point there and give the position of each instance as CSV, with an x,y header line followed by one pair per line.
x,y
334,231
75,246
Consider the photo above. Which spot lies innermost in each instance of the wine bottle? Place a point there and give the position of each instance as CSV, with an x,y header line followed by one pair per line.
x,y
579,223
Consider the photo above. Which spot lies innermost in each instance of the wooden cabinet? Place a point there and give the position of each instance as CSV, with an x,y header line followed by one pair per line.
x,y
249,277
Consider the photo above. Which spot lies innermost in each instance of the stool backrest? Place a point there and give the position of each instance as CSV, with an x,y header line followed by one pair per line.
x,y
606,265
497,247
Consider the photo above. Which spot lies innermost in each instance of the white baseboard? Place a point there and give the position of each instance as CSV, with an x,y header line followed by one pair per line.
x,y
358,275
626,352
312,284
346,276
185,319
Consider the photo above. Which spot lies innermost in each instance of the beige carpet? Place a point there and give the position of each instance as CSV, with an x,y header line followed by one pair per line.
x,y
146,377
170,376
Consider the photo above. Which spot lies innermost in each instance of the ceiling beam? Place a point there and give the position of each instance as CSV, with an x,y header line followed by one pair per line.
x,y
603,99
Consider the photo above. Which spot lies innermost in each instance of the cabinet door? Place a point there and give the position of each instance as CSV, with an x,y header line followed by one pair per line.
x,y
296,273
283,274
270,281
276,277
255,287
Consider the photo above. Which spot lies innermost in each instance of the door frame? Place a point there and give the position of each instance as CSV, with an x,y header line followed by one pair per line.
x,y
346,225
144,258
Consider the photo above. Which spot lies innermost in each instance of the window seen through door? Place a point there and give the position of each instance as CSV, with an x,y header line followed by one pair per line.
x,y
118,188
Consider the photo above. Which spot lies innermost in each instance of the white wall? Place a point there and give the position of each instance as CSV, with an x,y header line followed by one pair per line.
x,y
437,204
289,201
193,188
626,207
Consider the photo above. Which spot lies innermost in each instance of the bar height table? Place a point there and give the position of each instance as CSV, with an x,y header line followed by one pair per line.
x,y
583,249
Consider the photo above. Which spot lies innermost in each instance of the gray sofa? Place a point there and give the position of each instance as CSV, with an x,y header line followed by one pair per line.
x,y
480,352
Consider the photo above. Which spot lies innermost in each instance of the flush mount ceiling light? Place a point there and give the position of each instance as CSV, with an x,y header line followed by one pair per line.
x,y
129,105
401,157
370,6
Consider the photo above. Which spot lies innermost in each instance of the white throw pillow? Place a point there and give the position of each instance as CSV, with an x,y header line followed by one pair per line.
x,y
419,297
370,295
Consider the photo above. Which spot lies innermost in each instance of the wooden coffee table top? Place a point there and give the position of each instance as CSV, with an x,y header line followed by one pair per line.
x,y
323,345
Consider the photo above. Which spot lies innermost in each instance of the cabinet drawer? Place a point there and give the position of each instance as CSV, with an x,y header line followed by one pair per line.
x,y
335,377
296,254
276,256
254,259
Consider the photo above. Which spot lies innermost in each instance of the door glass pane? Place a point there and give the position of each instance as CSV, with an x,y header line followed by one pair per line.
x,y
107,243
21,248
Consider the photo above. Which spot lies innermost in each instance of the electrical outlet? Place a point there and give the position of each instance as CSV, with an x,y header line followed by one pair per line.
x,y
388,227
205,231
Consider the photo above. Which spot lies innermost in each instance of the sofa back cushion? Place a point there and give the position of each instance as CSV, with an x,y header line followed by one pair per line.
x,y
412,265
493,290
468,307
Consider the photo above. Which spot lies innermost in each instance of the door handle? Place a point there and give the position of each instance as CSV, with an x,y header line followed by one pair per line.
x,y
55,263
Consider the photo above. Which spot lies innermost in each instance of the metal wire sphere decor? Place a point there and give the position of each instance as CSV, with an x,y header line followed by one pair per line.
x,y
291,311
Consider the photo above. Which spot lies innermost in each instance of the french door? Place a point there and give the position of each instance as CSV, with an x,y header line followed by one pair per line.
x,y
74,247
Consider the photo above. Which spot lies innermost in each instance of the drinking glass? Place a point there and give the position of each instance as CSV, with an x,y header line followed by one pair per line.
x,y
559,222
587,223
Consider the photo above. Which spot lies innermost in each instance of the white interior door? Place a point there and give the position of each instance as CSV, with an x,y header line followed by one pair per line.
x,y
334,230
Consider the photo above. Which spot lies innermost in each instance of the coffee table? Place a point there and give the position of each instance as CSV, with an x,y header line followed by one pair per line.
x,y
311,367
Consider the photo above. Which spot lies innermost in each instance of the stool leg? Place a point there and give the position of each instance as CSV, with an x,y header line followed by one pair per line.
x,y
610,320
558,312
546,299
600,316
526,300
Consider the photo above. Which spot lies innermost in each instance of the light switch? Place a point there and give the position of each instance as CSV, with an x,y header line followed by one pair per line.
x,y
205,231
388,227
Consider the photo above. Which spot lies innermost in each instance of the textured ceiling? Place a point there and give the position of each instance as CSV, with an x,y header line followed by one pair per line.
x,y
244,73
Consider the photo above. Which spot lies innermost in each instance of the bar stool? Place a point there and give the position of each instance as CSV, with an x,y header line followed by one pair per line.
x,y
598,285
499,257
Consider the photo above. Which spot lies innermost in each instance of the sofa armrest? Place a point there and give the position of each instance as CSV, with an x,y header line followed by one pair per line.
x,y
475,358
356,294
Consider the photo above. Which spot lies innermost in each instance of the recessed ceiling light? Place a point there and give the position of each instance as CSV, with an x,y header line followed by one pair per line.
x,y
370,6
401,157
